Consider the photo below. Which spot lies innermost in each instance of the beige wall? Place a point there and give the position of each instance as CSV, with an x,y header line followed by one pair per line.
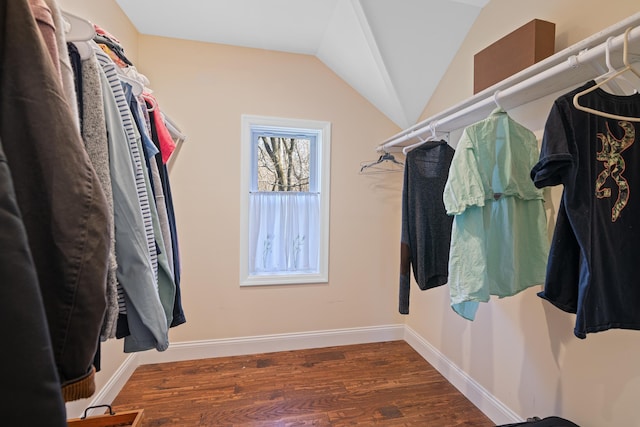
x,y
206,88
521,349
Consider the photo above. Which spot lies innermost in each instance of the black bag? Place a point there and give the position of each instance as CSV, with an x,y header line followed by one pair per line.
x,y
544,422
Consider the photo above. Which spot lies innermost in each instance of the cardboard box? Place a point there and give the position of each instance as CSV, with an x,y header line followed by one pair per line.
x,y
516,51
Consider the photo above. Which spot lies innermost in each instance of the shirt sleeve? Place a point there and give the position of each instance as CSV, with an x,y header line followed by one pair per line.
x,y
464,185
555,155
405,249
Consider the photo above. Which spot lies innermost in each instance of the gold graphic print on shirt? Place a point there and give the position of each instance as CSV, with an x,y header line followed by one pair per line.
x,y
614,166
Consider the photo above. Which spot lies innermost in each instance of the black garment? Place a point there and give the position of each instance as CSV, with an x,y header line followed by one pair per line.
x,y
76,65
593,260
29,387
63,208
544,422
426,227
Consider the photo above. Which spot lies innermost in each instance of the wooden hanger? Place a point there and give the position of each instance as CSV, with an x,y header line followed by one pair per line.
x,y
628,67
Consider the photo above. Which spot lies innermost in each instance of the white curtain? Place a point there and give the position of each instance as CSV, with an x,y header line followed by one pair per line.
x,y
284,232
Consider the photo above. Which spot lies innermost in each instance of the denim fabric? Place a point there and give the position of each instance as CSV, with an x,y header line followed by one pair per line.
x,y
150,149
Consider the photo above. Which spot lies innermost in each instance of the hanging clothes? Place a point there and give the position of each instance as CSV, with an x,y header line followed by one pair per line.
x,y
63,208
155,125
137,276
150,151
165,286
499,244
426,227
115,85
594,255
139,329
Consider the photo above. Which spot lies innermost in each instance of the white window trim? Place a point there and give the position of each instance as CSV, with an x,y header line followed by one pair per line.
x,y
324,139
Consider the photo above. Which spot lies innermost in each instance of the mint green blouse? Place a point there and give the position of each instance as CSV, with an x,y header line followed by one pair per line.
x,y
499,244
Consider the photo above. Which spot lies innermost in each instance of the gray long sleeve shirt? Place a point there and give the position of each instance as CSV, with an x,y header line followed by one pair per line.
x,y
426,227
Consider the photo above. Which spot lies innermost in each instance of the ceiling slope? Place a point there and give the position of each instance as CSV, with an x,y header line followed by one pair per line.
x,y
393,52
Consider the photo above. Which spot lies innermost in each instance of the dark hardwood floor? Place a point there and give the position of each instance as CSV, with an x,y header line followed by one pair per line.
x,y
382,384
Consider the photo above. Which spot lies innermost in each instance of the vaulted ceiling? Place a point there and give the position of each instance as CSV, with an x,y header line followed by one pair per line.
x,y
393,52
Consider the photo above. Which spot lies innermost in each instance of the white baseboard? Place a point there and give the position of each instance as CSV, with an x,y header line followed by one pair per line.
x,y
493,408
191,350
111,388
271,343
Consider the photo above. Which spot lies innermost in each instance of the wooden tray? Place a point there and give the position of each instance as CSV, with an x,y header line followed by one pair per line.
x,y
120,419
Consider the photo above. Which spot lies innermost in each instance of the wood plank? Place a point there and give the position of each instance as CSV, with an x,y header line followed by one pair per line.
x,y
386,384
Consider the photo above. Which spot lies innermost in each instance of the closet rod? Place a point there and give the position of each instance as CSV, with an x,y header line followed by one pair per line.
x,y
174,130
560,71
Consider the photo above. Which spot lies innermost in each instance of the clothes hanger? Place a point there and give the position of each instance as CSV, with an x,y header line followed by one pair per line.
x,y
496,100
432,127
611,70
136,86
150,100
628,67
84,49
386,163
77,29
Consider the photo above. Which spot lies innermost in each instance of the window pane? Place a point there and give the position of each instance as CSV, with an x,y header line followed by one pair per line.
x,y
283,163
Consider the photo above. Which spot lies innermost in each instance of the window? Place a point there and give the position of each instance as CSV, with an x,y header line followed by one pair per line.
x,y
285,201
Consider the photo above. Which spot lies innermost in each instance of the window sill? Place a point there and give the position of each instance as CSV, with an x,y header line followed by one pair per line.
x,y
284,279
